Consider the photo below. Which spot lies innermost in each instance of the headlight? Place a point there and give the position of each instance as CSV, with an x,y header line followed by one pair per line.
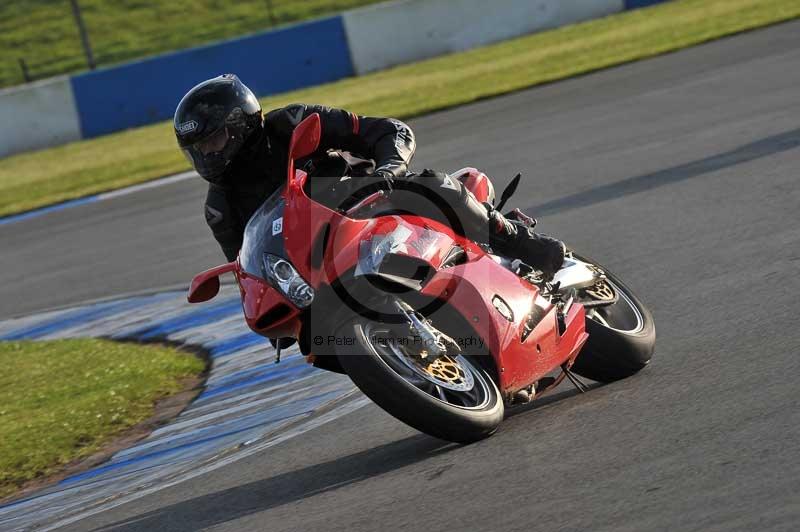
x,y
285,278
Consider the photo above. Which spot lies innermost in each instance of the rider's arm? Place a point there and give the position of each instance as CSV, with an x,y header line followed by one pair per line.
x,y
224,223
389,142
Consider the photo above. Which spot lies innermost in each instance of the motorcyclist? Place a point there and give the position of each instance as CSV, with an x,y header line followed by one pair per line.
x,y
243,155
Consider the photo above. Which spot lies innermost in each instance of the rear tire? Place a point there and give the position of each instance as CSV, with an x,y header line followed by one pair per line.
x,y
376,373
618,350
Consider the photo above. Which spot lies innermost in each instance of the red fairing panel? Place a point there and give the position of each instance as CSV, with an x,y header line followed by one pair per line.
x,y
305,221
416,237
470,288
260,299
304,224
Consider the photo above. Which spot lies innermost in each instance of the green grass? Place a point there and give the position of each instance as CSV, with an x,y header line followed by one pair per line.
x,y
40,178
62,400
44,34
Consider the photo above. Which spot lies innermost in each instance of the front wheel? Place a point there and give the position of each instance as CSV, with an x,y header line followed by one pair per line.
x,y
452,398
622,335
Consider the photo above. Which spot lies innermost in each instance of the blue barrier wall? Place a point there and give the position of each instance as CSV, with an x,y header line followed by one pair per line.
x,y
321,51
148,91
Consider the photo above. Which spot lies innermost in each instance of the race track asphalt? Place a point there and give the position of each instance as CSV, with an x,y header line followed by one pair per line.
x,y
680,174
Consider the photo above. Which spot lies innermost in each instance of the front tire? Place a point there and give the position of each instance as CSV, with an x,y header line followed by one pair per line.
x,y
377,369
622,336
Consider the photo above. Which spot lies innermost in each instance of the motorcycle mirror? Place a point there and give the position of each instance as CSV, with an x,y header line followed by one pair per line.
x,y
509,191
205,285
305,138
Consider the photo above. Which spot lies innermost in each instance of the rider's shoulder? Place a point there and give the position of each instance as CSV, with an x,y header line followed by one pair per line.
x,y
285,119
293,114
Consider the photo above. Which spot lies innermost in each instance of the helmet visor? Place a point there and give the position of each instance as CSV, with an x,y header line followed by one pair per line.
x,y
211,155
213,144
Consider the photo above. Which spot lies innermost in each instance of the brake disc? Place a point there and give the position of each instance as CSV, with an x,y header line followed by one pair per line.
x,y
601,291
445,371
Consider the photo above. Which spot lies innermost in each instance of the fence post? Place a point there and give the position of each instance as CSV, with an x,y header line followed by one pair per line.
x,y
25,74
87,47
271,13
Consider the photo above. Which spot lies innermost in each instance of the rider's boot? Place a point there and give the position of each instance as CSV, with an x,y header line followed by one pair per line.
x,y
544,253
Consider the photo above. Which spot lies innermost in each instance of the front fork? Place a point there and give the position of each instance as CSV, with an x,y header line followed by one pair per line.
x,y
435,342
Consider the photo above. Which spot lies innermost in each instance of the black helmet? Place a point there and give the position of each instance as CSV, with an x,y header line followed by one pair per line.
x,y
213,121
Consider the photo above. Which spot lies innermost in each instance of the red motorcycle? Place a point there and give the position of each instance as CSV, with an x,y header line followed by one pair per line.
x,y
433,327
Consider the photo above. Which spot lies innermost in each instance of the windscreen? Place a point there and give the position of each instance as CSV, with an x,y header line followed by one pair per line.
x,y
263,234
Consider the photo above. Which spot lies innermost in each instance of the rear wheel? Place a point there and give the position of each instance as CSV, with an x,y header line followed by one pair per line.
x,y
622,336
452,398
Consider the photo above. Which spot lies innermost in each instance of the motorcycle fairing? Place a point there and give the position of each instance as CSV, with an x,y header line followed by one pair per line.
x,y
365,247
266,311
345,243
519,363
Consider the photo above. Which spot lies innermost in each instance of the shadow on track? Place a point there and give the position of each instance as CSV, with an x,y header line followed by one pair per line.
x,y
552,397
223,506
785,141
233,503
